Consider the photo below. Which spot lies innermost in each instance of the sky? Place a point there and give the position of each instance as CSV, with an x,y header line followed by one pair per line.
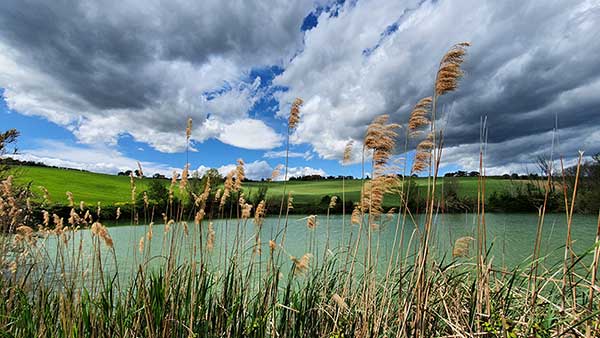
x,y
102,85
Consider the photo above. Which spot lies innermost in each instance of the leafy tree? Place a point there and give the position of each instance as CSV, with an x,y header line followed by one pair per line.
x,y
6,138
214,175
158,192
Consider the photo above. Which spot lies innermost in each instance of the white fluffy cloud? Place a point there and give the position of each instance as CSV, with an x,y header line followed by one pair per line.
x,y
250,134
261,169
302,171
307,155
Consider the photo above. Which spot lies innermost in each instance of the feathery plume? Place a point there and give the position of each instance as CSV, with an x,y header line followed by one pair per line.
x,y
87,218
355,215
301,264
239,175
423,154
381,138
461,246
339,301
174,177
259,214
141,245
332,202
205,193
149,234
184,177
24,231
188,129
74,218
102,232
140,172
227,186
420,115
449,72
374,192
295,113
46,218
276,172
70,198
347,152
45,193
199,216
168,225
118,212
311,221
246,208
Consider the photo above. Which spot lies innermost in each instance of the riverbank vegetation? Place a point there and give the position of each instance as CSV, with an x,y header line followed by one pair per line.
x,y
55,285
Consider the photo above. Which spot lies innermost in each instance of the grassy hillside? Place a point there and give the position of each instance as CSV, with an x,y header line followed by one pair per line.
x,y
85,186
110,189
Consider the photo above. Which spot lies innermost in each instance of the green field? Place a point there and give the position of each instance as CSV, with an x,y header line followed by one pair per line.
x,y
85,186
111,189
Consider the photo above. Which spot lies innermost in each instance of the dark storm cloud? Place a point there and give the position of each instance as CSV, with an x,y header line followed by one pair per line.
x,y
529,64
142,67
100,62
103,52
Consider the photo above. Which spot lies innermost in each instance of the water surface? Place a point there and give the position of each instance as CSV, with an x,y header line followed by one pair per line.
x,y
511,238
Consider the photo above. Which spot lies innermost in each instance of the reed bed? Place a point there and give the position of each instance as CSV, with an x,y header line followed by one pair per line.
x,y
61,278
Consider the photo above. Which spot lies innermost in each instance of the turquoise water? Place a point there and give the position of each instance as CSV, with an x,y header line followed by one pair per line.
x,y
511,237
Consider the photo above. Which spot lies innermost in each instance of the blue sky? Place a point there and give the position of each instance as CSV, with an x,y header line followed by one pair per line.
x,y
100,87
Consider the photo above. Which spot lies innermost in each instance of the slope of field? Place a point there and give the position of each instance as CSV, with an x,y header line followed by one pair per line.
x,y
85,186
110,189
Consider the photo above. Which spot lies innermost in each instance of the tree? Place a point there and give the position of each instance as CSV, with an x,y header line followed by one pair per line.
x,y
6,138
215,176
12,197
158,176
124,173
157,192
461,173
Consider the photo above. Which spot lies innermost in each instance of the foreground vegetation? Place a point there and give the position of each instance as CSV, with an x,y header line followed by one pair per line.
x,y
54,285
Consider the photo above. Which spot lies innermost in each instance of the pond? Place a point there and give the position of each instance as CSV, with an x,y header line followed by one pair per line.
x,y
511,238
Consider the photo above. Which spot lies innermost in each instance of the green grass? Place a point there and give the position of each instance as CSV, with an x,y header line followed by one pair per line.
x,y
313,191
85,186
111,189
